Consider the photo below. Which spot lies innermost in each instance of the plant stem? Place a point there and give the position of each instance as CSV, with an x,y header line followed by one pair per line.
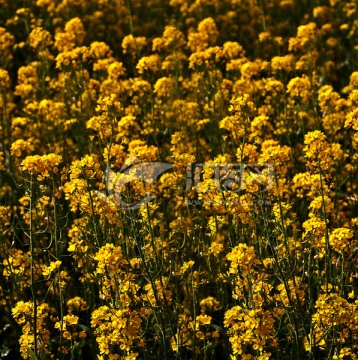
x,y
32,267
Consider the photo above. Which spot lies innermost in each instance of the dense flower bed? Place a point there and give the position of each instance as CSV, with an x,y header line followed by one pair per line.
x,y
178,179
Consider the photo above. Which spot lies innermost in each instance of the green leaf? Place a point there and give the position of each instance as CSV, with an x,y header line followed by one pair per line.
x,y
32,354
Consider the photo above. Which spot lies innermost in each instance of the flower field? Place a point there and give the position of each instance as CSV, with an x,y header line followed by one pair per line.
x,y
178,179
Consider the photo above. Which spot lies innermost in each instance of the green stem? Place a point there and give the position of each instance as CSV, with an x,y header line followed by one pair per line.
x,y
263,15
32,267
328,253
57,258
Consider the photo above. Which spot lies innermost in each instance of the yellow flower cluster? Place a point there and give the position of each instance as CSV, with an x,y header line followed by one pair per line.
x,y
41,165
23,313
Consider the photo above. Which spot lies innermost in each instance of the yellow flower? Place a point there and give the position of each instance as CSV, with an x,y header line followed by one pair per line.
x,y
109,258
149,63
300,87
306,34
5,81
243,259
316,144
70,319
187,265
209,304
6,44
40,38
172,39
164,86
207,34
19,146
74,58
54,265
41,164
232,49
203,320
286,63
341,240
132,45
76,304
